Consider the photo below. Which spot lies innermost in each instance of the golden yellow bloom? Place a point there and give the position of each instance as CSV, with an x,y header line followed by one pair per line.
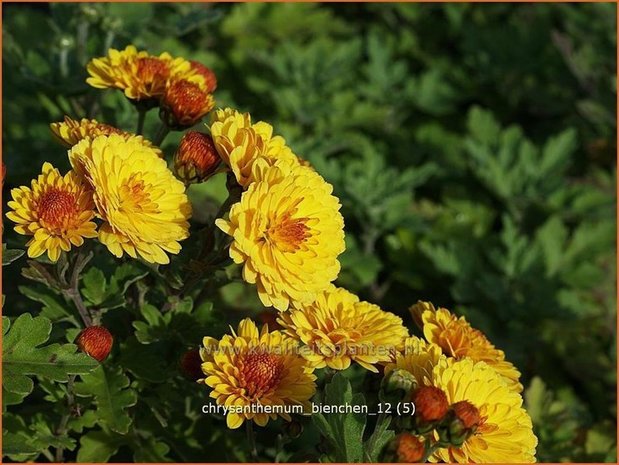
x,y
250,368
70,131
418,358
143,206
458,339
184,103
339,329
288,233
504,432
241,143
56,210
139,75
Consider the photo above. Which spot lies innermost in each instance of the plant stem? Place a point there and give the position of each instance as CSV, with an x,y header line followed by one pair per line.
x,y
141,118
72,291
164,130
251,440
62,427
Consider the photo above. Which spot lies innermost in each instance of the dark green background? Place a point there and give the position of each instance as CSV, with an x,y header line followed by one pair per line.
x,y
472,146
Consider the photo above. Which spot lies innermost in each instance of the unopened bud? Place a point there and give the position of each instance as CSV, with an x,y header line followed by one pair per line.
x,y
184,104
409,448
207,73
396,386
196,159
191,365
96,341
460,424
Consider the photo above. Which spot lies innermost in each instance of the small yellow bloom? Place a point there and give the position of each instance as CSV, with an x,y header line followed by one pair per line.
x,y
339,329
138,74
69,132
240,143
458,339
287,232
418,358
251,368
504,433
184,103
143,206
56,210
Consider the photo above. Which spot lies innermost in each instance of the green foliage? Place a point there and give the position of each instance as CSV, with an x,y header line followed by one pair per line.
x,y
23,357
472,148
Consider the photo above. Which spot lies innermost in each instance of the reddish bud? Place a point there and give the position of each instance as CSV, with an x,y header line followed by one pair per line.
x,y
430,403
96,341
196,158
191,365
467,413
184,104
410,449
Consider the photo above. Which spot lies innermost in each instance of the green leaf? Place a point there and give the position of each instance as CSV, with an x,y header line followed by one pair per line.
x,y
10,255
343,431
98,446
94,286
22,357
378,440
113,396
52,308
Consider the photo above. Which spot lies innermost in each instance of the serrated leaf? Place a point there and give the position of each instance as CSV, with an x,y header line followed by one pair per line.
x,y
94,286
10,255
378,440
343,431
22,357
112,394
98,446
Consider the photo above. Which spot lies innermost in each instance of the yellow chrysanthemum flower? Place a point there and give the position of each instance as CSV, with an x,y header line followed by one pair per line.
x,y
70,131
288,233
240,143
249,368
418,358
339,329
504,433
143,206
139,75
458,339
56,210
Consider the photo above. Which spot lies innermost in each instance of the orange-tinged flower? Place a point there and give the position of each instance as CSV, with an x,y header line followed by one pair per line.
x,y
184,103
138,74
458,339
70,131
210,80
56,210
430,403
250,368
96,341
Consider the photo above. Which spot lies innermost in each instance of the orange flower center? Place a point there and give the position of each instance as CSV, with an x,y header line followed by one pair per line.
x,y
151,69
56,207
289,233
135,198
260,372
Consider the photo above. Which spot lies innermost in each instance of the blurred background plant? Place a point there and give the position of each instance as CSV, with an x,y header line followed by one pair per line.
x,y
473,149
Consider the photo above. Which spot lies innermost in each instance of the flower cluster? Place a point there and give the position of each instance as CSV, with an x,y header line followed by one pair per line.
x,y
182,88
467,396
282,225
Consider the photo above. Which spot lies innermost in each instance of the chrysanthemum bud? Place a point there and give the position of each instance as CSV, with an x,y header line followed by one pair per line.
x,y
467,413
207,73
196,159
430,404
409,448
184,103
191,365
96,341
460,423
396,386
293,429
